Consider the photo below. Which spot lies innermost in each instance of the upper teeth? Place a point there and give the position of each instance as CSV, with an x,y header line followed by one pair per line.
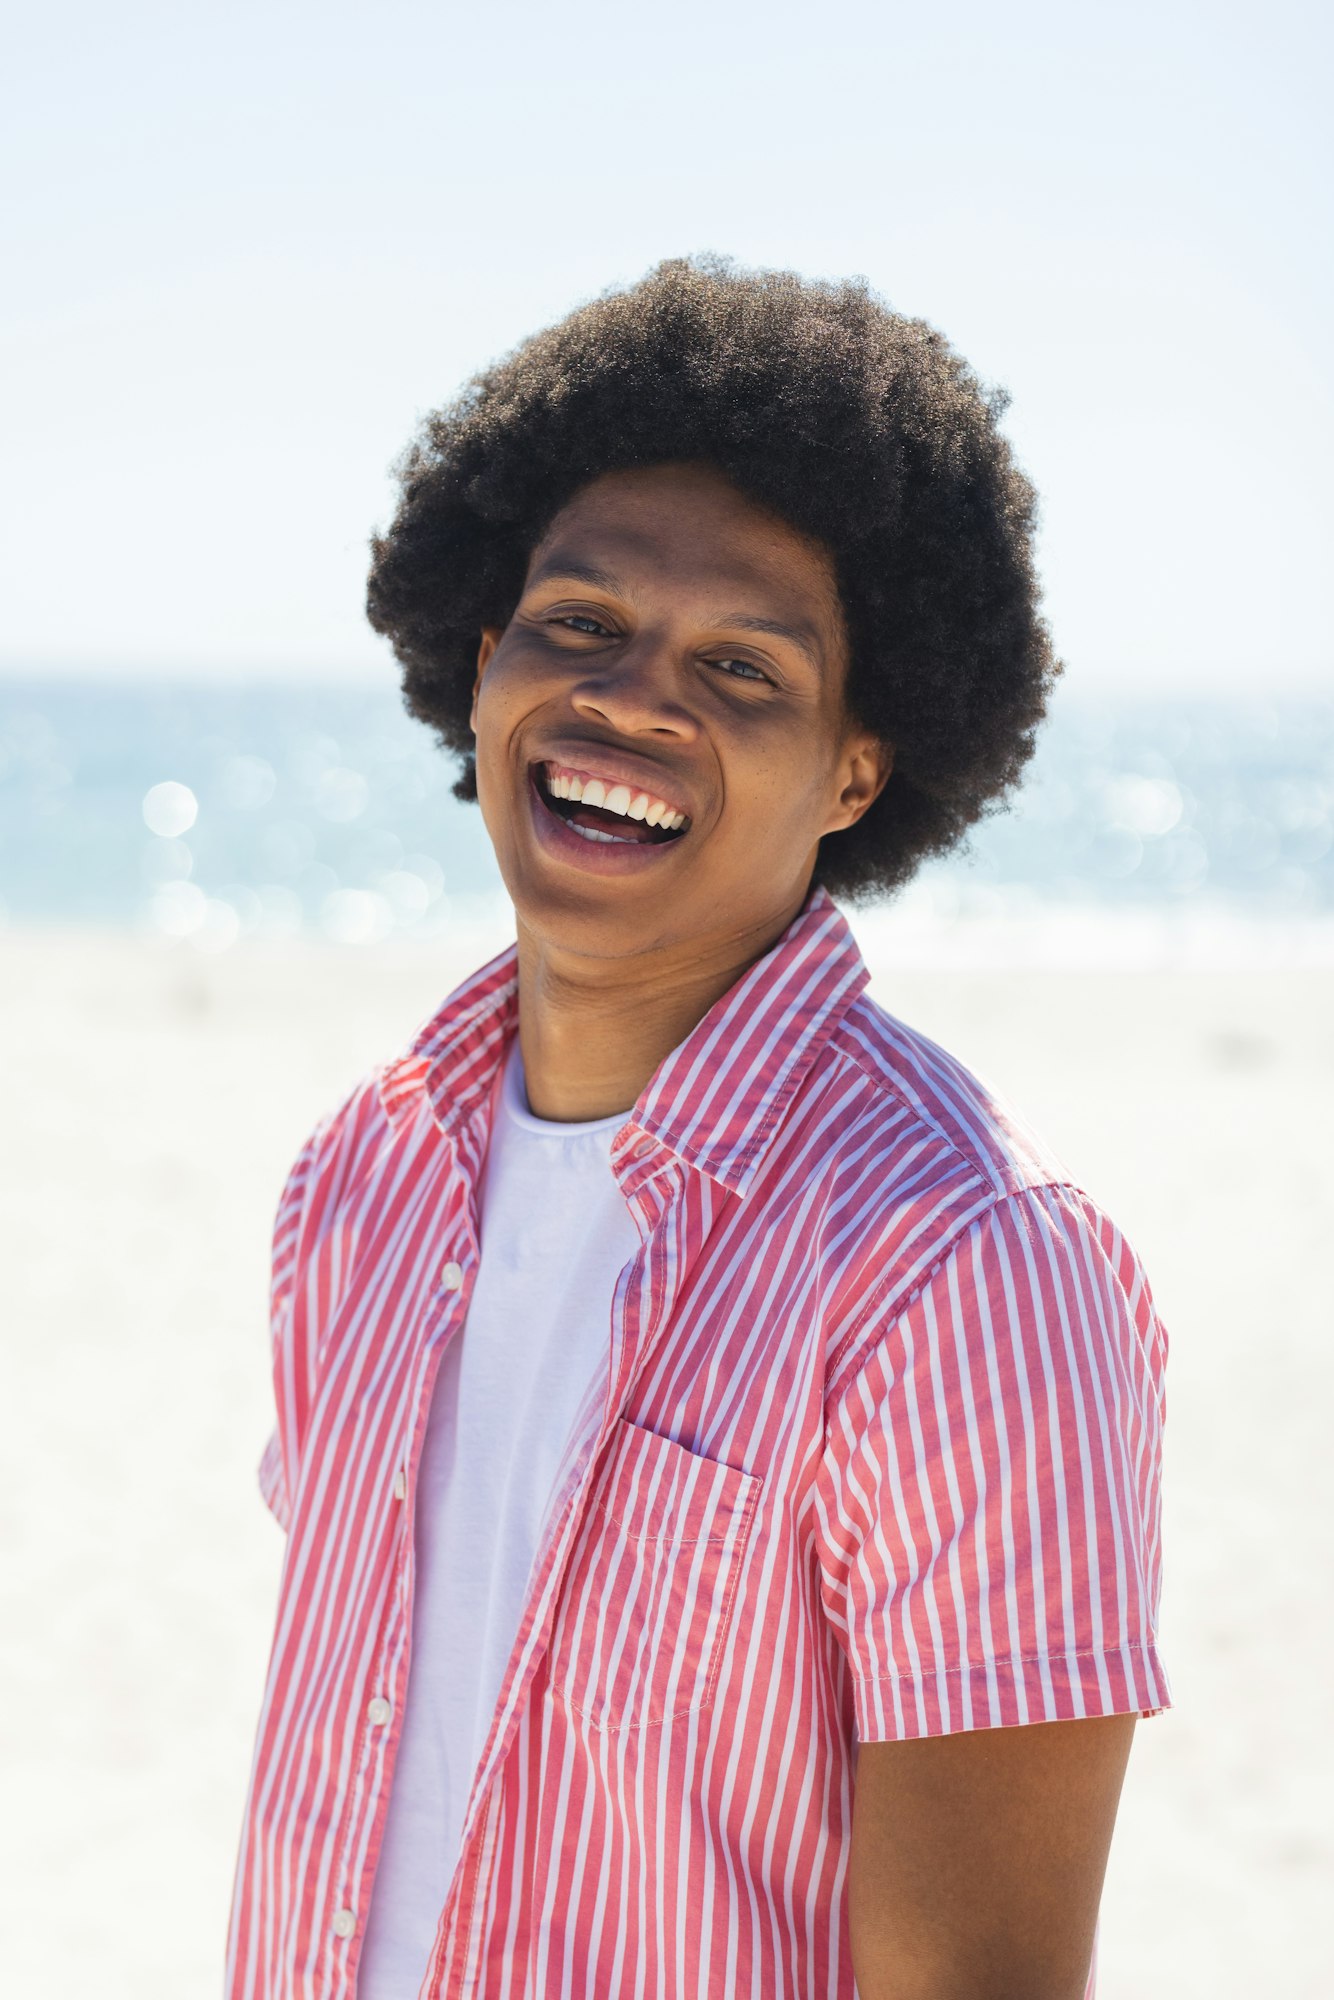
x,y
615,798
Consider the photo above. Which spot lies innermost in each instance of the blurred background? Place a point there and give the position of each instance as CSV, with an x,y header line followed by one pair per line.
x,y
245,250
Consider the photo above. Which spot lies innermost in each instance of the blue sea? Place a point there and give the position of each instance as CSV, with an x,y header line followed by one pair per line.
x,y
208,813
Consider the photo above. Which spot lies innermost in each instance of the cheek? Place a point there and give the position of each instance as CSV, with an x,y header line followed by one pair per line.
x,y
782,803
511,685
502,705
496,706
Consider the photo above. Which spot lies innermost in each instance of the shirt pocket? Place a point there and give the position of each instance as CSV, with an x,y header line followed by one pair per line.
x,y
643,1617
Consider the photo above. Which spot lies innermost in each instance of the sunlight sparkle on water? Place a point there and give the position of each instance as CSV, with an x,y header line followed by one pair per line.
x,y
169,809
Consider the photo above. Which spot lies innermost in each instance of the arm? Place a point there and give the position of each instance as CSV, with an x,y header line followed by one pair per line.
x,y
987,1524
977,1860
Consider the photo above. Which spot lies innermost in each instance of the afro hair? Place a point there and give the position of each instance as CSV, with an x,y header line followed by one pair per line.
x,y
859,427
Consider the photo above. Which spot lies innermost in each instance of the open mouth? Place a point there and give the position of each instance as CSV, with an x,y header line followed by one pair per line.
x,y
596,824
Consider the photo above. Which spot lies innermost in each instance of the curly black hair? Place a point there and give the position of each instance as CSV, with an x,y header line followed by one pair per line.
x,y
859,427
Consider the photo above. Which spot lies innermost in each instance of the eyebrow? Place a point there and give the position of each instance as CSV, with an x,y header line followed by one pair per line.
x,y
803,639
602,579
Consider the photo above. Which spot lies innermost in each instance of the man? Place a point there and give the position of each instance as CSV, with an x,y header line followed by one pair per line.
x,y
718,1442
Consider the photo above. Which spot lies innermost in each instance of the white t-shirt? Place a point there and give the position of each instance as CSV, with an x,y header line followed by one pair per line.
x,y
555,1235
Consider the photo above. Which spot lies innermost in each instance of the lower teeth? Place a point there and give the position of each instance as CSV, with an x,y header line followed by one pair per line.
x,y
591,833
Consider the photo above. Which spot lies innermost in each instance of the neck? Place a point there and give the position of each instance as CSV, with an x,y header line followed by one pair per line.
x,y
592,1030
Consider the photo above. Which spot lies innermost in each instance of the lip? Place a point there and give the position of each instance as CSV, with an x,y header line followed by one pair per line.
x,y
595,857
616,769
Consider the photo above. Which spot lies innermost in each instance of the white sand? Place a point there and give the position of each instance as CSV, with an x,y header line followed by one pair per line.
x,y
152,1101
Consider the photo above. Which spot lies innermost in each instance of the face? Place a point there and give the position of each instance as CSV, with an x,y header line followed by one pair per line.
x,y
681,645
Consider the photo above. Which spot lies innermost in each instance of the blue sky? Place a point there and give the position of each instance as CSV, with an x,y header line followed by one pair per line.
x,y
254,244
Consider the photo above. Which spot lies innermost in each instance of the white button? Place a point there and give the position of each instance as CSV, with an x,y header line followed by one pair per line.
x,y
344,1923
400,1484
379,1710
452,1277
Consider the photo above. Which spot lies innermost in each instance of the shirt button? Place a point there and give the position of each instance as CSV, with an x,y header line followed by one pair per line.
x,y
379,1710
400,1484
452,1277
344,1923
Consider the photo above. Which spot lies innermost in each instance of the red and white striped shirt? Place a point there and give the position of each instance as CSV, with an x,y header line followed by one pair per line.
x,y
876,1454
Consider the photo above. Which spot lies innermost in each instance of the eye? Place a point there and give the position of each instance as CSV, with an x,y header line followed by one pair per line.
x,y
752,671
580,620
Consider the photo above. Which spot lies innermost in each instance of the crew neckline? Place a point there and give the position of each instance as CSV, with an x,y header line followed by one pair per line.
x,y
517,1109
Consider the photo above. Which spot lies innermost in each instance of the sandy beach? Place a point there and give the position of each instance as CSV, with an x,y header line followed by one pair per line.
x,y
153,1098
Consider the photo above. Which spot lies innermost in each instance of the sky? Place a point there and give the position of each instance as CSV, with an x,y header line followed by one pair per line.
x,y
248,247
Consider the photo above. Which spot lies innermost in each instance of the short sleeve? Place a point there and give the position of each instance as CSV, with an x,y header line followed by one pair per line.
x,y
988,1502
274,1482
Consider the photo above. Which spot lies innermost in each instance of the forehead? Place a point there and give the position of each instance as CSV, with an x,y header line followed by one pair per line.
x,y
688,526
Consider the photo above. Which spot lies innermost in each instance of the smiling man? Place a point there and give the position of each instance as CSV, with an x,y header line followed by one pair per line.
x,y
654,845
718,1441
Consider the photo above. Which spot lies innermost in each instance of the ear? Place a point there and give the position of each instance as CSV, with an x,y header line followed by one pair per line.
x,y
490,640
865,770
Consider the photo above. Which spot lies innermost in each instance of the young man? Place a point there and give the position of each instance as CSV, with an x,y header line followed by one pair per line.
x,y
718,1442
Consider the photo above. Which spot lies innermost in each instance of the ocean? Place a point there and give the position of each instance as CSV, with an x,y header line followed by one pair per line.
x,y
1147,830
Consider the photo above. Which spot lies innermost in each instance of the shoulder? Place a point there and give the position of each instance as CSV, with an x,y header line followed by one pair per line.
x,y
335,1154
932,1094
946,1192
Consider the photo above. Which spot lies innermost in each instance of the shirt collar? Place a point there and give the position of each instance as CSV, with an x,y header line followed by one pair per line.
x,y
716,1100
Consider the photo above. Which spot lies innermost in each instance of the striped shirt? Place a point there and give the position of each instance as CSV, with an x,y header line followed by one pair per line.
x,y
875,1454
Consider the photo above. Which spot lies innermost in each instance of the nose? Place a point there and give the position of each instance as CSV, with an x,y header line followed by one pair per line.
x,y
637,690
